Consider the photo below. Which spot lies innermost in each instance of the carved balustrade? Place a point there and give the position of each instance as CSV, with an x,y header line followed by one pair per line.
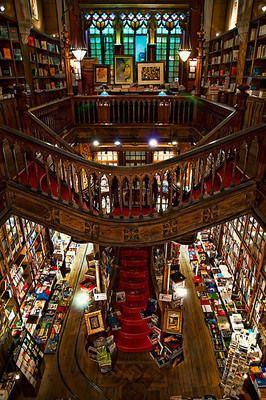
x,y
132,192
57,115
62,114
132,109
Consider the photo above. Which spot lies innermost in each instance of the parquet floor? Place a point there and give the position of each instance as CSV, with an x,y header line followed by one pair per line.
x,y
135,376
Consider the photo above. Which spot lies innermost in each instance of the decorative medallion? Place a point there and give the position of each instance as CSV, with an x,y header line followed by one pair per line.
x,y
131,234
210,214
92,230
170,228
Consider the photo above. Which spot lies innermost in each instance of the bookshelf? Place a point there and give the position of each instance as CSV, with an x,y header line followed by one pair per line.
x,y
220,62
29,359
255,66
47,62
243,248
11,64
22,253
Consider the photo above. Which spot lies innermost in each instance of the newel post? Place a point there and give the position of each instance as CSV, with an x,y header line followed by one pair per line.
x,y
22,107
103,109
163,111
241,106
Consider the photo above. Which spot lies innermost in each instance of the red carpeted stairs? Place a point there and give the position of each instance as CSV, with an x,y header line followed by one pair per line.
x,y
134,280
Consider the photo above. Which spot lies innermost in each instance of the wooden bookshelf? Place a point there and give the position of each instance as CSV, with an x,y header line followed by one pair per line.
x,y
243,248
255,66
47,62
11,64
220,60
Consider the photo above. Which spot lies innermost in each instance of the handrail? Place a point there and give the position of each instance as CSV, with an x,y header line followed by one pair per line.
x,y
195,152
224,128
40,130
143,191
130,108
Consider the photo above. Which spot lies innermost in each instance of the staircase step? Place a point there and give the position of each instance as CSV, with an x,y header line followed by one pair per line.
x,y
129,262
134,326
133,307
133,274
126,285
143,296
133,346
134,335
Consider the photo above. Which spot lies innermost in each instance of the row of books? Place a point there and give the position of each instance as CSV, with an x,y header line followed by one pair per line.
x,y
43,44
11,33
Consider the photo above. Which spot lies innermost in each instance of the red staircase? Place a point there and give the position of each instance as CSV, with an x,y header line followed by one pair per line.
x,y
134,280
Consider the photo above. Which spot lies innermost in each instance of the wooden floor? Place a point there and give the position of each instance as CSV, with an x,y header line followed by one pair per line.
x,y
70,375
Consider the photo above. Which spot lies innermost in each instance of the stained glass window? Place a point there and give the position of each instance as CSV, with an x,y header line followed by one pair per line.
x,y
101,32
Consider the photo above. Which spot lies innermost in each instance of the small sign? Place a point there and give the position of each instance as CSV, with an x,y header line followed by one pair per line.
x,y
100,296
165,297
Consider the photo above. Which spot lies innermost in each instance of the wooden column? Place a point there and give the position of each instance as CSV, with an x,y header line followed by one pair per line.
x,y
151,52
22,101
66,38
98,276
241,105
243,18
199,62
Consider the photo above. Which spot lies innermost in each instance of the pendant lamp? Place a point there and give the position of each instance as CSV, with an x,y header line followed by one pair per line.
x,y
185,49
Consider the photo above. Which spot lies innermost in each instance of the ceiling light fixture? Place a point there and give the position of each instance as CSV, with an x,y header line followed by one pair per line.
x,y
95,143
2,8
153,142
117,142
185,49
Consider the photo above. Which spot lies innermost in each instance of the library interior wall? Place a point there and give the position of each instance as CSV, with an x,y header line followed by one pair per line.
x,y
218,17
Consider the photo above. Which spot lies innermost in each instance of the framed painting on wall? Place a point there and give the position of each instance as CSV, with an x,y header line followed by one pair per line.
x,y
123,73
34,9
101,74
150,73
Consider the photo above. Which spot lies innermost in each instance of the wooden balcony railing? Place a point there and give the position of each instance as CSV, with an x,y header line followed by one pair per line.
x,y
80,111
132,192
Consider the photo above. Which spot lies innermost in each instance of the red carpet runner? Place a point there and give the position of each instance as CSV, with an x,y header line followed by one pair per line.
x,y
134,280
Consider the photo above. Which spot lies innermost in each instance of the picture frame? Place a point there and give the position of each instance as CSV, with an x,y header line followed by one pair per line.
x,y
94,322
101,74
150,73
172,321
123,70
120,297
34,9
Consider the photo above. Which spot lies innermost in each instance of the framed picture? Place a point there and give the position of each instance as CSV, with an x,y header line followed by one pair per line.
x,y
123,73
172,321
101,74
120,297
94,322
34,9
150,73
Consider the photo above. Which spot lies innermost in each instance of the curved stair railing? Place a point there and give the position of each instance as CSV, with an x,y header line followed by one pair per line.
x,y
132,192
136,206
